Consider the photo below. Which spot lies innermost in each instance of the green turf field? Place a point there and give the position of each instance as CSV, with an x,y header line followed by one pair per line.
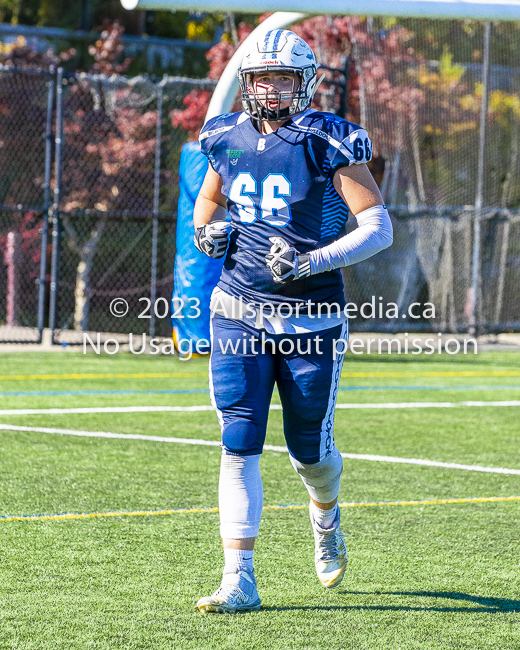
x,y
430,575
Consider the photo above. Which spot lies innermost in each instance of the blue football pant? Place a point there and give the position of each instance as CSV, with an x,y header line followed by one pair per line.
x,y
246,364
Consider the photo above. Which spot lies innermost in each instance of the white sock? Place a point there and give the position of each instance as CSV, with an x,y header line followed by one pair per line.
x,y
235,557
324,518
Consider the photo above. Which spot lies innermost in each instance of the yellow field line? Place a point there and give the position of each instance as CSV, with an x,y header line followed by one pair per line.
x,y
135,375
187,511
165,375
115,513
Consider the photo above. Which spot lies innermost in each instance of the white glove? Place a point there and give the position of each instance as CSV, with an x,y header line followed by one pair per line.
x,y
213,238
285,263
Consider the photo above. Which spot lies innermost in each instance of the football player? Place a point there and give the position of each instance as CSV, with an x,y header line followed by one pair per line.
x,y
287,175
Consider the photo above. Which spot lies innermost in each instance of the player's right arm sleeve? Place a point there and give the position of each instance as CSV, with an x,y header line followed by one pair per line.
x,y
373,234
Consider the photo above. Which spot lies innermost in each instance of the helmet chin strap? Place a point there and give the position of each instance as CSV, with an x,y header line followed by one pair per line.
x,y
273,116
261,113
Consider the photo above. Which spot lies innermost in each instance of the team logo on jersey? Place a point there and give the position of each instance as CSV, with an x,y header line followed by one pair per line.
x,y
234,155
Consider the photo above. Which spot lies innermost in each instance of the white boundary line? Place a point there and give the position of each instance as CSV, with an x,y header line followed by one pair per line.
x,y
106,409
431,463
410,405
273,407
216,443
107,434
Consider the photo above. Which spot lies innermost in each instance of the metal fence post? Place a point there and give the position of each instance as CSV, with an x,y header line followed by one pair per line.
x,y
156,193
479,196
46,206
13,260
55,206
343,98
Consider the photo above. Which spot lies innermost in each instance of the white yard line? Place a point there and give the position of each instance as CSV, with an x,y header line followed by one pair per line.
x,y
106,409
431,463
273,407
410,405
216,443
108,434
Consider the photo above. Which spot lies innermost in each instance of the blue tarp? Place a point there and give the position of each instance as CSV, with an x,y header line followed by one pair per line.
x,y
195,274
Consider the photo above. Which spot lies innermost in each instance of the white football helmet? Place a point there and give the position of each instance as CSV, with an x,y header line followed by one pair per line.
x,y
279,50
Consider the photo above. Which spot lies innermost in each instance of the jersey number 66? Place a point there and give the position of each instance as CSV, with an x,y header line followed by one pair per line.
x,y
273,208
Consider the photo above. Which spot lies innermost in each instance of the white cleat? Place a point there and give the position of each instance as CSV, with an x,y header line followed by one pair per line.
x,y
330,555
237,593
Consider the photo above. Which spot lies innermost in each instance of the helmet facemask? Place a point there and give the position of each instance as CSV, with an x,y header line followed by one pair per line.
x,y
256,104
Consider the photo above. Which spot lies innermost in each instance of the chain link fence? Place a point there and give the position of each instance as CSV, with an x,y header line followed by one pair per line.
x,y
20,257
120,268
26,105
441,100
89,186
89,190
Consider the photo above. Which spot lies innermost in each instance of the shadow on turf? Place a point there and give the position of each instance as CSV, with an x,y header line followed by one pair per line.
x,y
490,605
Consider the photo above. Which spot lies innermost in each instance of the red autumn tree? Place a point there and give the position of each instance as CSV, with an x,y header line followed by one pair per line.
x,y
109,143
23,108
197,101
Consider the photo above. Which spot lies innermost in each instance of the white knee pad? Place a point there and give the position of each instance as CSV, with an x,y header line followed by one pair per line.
x,y
240,496
321,479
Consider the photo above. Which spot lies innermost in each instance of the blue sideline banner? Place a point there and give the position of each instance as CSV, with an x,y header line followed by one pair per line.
x,y
195,274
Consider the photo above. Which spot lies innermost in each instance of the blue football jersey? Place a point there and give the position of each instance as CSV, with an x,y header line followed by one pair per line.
x,y
281,184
